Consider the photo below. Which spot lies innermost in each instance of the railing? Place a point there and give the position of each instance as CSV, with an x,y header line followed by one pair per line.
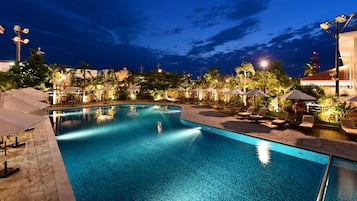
x,y
323,186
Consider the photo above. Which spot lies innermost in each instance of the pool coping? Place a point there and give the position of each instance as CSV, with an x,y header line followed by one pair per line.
x,y
64,188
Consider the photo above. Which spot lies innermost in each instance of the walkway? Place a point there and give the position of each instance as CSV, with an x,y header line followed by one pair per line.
x,y
42,175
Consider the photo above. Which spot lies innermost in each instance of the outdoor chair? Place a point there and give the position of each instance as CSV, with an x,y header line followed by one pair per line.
x,y
307,123
281,120
260,116
246,113
349,128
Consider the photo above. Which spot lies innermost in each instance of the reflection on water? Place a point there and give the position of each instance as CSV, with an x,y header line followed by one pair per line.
x,y
328,133
159,127
105,116
132,111
263,151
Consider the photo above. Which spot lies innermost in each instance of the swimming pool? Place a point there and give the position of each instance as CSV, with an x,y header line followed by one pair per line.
x,y
145,152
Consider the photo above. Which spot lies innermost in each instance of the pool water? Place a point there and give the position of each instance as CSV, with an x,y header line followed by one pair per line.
x,y
145,152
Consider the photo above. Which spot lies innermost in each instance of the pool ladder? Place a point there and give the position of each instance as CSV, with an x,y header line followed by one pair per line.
x,y
323,186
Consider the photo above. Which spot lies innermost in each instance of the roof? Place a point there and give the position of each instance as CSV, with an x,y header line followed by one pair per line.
x,y
344,74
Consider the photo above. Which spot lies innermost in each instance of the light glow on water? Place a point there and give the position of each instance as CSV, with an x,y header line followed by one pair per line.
x,y
289,150
263,151
82,133
181,134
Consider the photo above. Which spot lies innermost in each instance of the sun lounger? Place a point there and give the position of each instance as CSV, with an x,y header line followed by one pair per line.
x,y
307,123
349,128
260,116
7,171
281,120
246,113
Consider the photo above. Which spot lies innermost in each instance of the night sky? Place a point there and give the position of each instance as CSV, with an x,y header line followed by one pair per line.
x,y
183,36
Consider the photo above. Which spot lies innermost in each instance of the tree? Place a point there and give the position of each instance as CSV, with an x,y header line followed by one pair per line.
x,y
313,67
32,73
284,82
6,81
248,71
159,82
309,70
84,68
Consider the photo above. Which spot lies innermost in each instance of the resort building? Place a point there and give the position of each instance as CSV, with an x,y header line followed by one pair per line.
x,y
347,72
5,65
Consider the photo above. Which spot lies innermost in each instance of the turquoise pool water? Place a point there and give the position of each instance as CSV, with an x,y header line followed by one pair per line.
x,y
145,152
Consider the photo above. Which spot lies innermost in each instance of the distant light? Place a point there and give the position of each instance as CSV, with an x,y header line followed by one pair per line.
x,y
25,30
2,30
16,39
341,19
17,28
324,26
264,63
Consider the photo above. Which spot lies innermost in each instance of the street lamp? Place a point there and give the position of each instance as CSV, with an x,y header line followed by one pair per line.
x,y
18,40
264,64
341,19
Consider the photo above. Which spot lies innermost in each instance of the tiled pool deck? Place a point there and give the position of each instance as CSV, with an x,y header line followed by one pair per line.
x,y
42,175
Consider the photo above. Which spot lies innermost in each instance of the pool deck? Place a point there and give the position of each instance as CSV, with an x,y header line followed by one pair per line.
x,y
42,174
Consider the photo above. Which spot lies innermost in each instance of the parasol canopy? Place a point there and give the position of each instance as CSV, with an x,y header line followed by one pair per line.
x,y
37,94
349,98
16,102
236,92
256,92
297,95
12,122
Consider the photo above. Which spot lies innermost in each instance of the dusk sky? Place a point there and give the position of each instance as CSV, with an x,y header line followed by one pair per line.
x,y
183,36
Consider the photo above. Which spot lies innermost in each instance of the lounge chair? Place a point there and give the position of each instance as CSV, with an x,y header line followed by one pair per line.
x,y
307,123
246,113
7,171
281,120
260,116
349,128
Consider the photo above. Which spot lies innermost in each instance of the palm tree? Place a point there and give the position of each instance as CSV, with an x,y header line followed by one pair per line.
x,y
84,68
57,77
310,70
248,71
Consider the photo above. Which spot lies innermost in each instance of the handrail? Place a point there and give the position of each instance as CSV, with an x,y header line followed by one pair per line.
x,y
323,185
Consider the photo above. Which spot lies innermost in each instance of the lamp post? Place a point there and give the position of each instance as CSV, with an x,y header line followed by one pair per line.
x,y
264,64
18,40
339,20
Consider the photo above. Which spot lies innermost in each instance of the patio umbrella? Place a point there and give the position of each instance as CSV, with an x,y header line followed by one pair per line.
x,y
73,90
210,90
12,122
20,103
297,95
38,94
181,89
254,93
224,90
349,98
24,95
236,92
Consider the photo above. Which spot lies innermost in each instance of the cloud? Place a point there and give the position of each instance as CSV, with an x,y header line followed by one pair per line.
x,y
229,11
237,32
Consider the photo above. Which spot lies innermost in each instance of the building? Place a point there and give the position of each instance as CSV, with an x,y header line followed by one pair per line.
x,y
5,65
347,72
